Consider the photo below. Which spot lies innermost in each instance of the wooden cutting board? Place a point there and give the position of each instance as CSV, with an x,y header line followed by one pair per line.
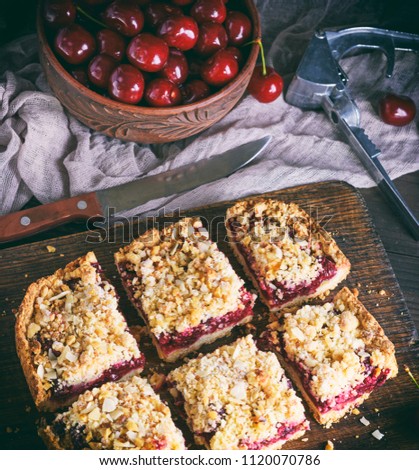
x,y
342,211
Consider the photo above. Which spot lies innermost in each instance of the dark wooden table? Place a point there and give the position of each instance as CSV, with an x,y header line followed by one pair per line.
x,y
401,248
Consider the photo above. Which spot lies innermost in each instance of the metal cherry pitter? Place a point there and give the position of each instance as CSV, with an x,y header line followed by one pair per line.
x,y
320,82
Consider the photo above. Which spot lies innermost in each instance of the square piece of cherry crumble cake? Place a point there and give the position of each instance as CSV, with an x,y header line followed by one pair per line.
x,y
183,287
285,253
124,415
336,354
238,397
71,336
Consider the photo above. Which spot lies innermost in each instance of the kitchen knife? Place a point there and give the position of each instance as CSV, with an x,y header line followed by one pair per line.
x,y
127,196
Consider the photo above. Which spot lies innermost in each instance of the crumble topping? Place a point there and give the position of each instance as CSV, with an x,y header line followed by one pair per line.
x,y
182,278
76,331
280,240
122,415
330,342
237,394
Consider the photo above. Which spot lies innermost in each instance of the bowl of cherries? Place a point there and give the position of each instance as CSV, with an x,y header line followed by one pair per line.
x,y
148,71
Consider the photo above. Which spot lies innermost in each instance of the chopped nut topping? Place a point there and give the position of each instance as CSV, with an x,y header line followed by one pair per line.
x,y
76,330
283,244
336,343
182,278
51,249
237,393
121,415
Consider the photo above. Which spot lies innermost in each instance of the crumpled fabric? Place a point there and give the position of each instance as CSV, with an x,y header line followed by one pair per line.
x,y
48,154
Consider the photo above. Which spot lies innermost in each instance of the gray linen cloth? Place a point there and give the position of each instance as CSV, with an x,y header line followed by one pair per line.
x,y
46,153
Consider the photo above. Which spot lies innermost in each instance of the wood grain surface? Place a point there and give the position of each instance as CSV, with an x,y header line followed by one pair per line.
x,y
340,209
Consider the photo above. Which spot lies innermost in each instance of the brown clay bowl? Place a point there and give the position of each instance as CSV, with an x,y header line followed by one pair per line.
x,y
140,123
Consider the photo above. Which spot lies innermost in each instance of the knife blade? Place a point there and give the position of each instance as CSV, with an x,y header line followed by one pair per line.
x,y
129,195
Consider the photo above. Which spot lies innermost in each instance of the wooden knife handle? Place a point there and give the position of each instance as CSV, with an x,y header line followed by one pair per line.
x,y
30,221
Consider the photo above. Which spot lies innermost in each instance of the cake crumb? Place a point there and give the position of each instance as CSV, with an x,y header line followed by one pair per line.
x,y
62,255
51,249
324,295
28,409
357,436
358,284
329,446
304,439
157,381
382,292
250,327
356,412
26,275
376,410
377,434
364,421
9,430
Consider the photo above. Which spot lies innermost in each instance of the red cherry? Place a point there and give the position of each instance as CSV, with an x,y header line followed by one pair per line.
x,y
100,69
126,84
155,13
162,92
236,53
124,17
59,13
238,27
80,74
179,31
74,44
209,10
194,90
212,37
397,110
176,68
220,69
148,52
265,88
111,43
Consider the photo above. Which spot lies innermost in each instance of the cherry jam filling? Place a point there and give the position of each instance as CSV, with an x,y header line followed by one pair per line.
x,y
328,270
280,294
172,342
372,380
284,432
62,391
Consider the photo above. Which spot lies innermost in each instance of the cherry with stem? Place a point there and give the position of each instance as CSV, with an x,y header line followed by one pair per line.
x,y
265,84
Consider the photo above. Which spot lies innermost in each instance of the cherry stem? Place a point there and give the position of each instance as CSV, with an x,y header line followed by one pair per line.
x,y
258,41
406,368
91,18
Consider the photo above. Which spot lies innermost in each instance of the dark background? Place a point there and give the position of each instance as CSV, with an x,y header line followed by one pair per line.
x,y
17,17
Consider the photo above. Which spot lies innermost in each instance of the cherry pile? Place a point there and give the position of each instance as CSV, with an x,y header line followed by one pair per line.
x,y
150,53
